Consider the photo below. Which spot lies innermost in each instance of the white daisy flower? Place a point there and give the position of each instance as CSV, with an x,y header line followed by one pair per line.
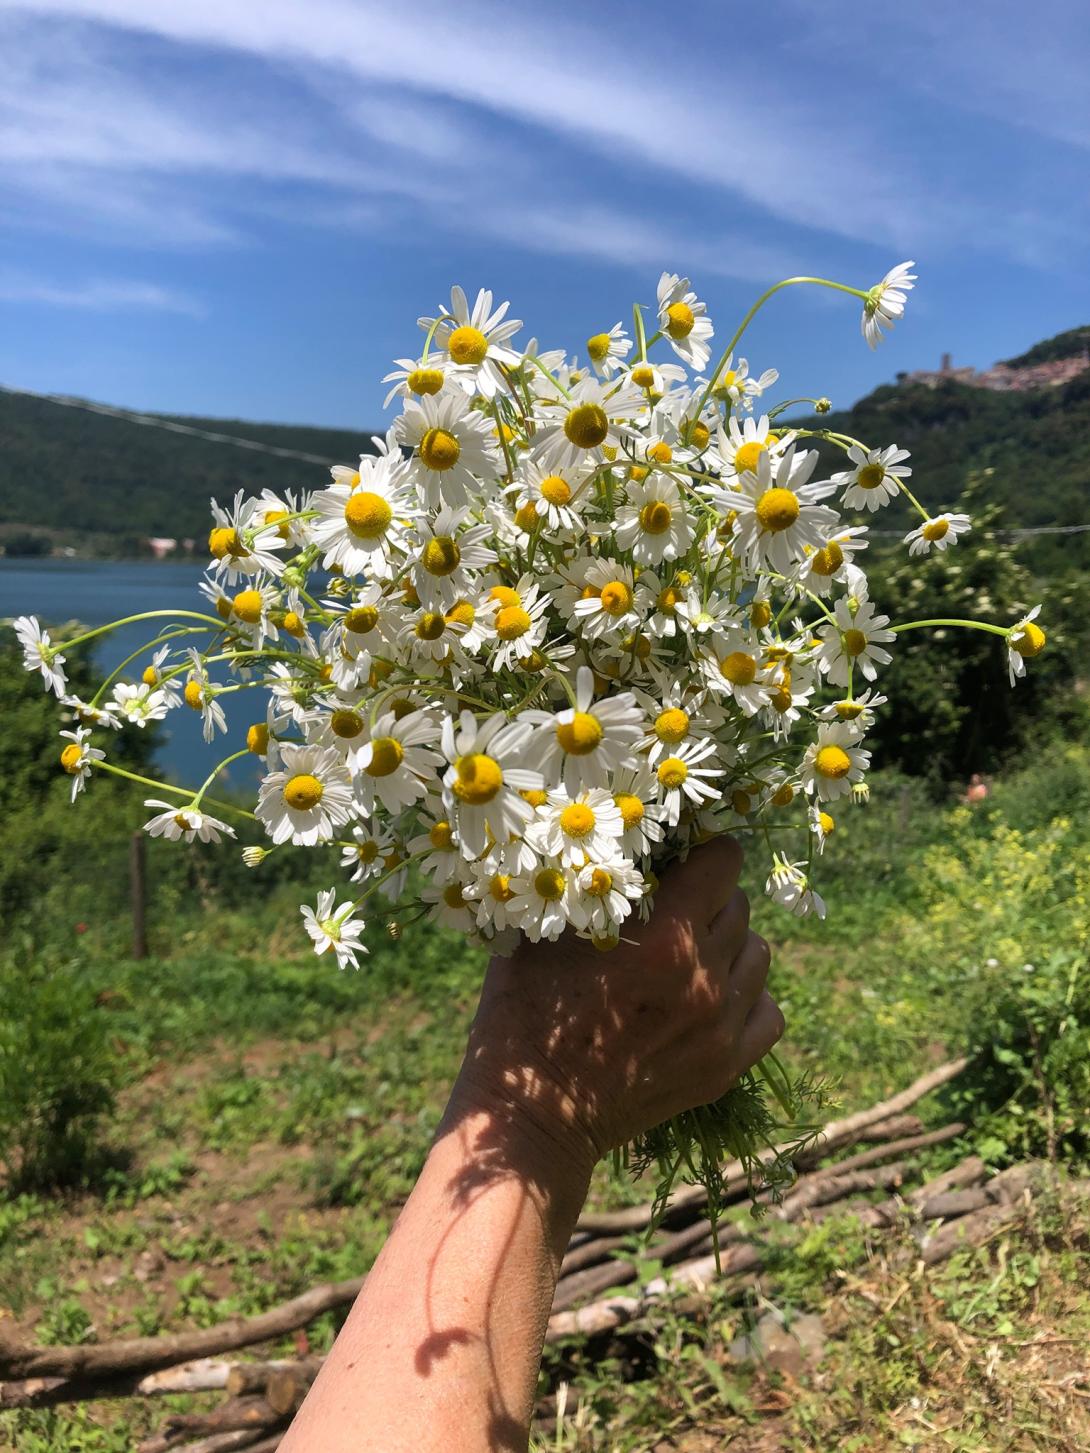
x,y
241,543
594,417
574,828
654,379
542,902
488,771
138,704
584,743
735,385
834,763
454,453
788,690
305,799
78,757
1025,639
199,694
708,620
607,605
335,927
446,554
89,715
856,711
821,569
415,378
778,514
554,501
683,779
854,638
280,510
654,523
250,612
39,653
155,676
733,669
684,321
886,302
360,528
475,342
398,764
605,892
607,351
940,531
789,886
739,447
635,791
488,896
873,479
368,853
518,628
657,599
189,822
436,847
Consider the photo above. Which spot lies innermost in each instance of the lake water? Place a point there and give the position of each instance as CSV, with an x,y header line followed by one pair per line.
x,y
97,591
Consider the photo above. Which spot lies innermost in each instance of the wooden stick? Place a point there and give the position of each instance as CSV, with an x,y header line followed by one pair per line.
x,y
250,1414
836,1134
225,1442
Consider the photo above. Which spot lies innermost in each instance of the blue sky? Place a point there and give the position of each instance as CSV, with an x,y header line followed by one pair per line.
x,y
240,207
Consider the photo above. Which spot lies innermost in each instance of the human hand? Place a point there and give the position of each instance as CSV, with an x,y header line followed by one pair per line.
x,y
589,1049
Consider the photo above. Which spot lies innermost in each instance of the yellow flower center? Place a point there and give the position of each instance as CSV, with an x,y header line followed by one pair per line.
x,y
257,739
580,736
367,515
387,754
586,426
780,700
549,884
535,796
361,619
294,624
70,758
430,626
193,695
679,320
667,599
598,347
760,613
741,801
660,452
655,517
855,642
441,555
833,762
616,598
577,820
424,381
441,836
828,560
849,710
277,518
409,594
511,622
826,823
672,773
467,345
439,450
303,792
346,724
643,376
556,490
526,516
477,779
672,725
1029,640
870,476
453,896
247,605
746,456
223,541
631,808
462,613
697,433
367,852
739,668
783,795
504,595
935,530
600,883
150,677
638,472
500,887
777,509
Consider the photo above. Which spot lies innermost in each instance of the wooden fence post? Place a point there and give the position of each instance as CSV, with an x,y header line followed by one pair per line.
x,y
138,889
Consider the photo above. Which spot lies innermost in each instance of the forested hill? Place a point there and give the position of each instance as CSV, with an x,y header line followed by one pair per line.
x,y
73,473
91,480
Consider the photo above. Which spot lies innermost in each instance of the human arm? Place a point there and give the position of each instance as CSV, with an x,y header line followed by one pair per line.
x,y
571,1052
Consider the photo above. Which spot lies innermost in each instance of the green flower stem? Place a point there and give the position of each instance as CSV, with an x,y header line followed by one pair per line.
x,y
431,336
166,787
821,282
147,646
148,615
542,369
216,771
775,1077
641,337
942,621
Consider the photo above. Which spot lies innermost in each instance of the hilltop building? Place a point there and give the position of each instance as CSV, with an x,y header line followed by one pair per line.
x,y
1002,377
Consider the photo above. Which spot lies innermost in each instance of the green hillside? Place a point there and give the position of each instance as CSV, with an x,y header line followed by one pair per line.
x,y
103,484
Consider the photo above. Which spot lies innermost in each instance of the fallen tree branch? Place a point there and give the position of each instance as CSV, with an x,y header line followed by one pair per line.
x,y
249,1414
836,1135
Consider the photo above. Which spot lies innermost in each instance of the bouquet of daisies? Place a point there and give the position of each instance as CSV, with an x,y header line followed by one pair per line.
x,y
565,620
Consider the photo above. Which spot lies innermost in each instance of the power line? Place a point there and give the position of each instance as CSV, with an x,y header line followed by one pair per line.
x,y
152,422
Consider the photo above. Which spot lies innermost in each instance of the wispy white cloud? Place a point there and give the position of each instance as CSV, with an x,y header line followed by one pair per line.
x,y
97,295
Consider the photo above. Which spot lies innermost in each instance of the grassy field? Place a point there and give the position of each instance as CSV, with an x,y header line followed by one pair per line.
x,y
272,1115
